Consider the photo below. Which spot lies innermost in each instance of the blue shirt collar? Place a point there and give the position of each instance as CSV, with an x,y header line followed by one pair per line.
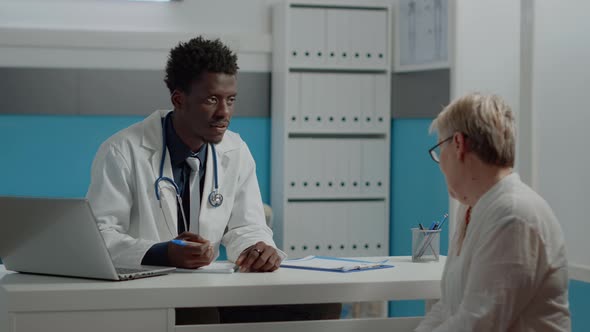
x,y
177,149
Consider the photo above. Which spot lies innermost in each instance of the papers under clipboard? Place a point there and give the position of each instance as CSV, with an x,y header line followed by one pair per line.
x,y
334,264
215,267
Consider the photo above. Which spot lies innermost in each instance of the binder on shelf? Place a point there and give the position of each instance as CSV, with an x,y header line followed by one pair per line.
x,y
323,100
338,37
293,96
309,101
380,43
354,161
373,168
307,213
293,174
368,102
336,95
357,222
367,53
316,167
357,37
294,229
382,107
337,232
335,264
359,228
355,101
379,243
332,169
319,227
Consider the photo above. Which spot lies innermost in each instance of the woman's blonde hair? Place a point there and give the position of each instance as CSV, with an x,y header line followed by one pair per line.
x,y
488,123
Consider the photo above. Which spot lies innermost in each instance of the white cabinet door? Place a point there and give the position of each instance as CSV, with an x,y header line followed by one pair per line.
x,y
155,320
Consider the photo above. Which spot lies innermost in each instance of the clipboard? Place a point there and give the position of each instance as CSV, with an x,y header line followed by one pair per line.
x,y
334,264
215,267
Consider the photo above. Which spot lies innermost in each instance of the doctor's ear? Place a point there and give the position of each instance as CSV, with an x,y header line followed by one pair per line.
x,y
177,98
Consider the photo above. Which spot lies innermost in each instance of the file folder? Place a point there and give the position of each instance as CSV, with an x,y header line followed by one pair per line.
x,y
294,114
215,267
334,264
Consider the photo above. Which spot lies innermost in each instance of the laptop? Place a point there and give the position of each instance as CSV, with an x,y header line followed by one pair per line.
x,y
59,236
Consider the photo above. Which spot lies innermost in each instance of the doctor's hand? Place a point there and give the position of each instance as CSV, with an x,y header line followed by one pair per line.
x,y
259,258
194,252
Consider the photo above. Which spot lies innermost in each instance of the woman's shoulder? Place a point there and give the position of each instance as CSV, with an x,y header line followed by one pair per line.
x,y
521,207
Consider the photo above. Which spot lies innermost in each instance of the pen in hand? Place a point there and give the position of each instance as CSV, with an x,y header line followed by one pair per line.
x,y
190,251
184,243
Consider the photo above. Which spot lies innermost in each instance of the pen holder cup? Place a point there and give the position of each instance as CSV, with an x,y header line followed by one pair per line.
x,y
425,245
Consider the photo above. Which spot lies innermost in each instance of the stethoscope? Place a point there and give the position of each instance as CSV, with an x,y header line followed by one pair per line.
x,y
215,198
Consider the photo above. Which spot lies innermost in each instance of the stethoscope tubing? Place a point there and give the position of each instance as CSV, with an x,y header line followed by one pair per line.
x,y
215,198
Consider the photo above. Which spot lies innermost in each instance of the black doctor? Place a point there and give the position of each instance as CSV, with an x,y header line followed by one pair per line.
x,y
172,162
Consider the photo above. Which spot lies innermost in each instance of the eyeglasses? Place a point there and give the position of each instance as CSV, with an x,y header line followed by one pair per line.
x,y
435,150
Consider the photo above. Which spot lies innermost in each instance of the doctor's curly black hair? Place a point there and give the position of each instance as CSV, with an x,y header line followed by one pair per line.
x,y
187,61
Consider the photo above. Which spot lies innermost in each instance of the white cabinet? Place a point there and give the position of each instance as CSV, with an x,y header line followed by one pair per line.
x,y
149,320
331,128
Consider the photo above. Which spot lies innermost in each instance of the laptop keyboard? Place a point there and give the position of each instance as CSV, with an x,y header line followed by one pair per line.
x,y
127,273
125,270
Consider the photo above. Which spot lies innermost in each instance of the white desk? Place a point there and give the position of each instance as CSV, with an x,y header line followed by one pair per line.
x,y
43,303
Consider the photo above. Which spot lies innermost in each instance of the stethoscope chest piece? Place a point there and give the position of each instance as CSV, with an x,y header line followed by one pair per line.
x,y
215,198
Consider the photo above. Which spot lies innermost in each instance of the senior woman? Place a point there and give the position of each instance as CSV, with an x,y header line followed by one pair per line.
x,y
506,268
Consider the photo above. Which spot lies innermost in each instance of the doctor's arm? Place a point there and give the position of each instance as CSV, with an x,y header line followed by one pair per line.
x,y
501,280
248,239
111,197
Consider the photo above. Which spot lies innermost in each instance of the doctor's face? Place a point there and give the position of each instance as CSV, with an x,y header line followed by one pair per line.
x,y
207,109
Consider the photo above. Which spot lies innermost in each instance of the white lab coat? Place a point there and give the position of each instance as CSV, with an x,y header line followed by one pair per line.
x,y
511,273
123,198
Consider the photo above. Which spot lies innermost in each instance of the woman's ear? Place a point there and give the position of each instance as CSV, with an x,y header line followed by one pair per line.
x,y
460,145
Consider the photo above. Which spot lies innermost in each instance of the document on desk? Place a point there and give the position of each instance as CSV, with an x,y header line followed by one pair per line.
x,y
334,264
215,267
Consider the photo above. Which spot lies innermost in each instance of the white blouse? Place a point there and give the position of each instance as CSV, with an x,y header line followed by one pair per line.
x,y
511,270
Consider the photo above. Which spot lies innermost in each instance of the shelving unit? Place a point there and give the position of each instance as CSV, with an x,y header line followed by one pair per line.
x,y
331,128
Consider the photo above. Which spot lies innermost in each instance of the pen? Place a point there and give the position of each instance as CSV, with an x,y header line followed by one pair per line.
x,y
437,227
421,250
440,225
179,242
184,243
362,266
428,238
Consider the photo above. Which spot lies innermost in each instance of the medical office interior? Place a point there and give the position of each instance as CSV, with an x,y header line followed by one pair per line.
x,y
74,72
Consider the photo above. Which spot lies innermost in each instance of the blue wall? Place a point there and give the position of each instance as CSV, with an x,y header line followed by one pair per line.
x,y
579,302
418,194
51,156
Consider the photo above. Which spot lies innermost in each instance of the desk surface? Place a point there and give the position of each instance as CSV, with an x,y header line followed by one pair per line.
x,y
24,292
